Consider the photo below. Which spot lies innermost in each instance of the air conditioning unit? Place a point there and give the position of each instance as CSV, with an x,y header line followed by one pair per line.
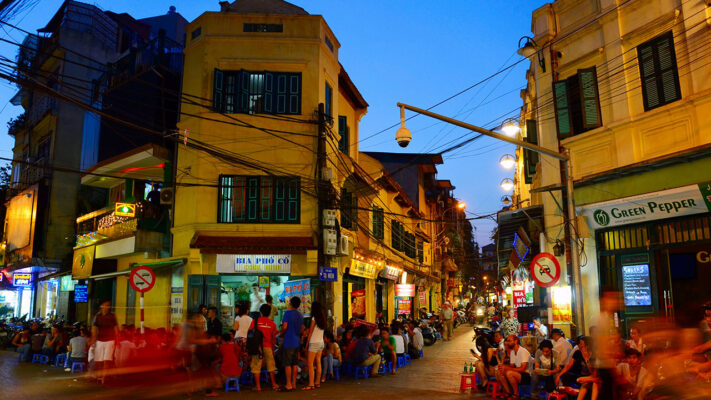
x,y
343,246
166,196
329,217
330,242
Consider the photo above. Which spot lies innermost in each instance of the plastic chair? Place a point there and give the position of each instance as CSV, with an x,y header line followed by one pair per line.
x,y
77,366
408,359
232,384
557,396
493,389
60,360
385,368
40,358
362,372
467,380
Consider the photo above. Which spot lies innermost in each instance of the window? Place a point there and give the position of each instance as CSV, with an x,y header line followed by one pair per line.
x,y
43,149
577,104
349,210
329,99
530,157
196,32
343,144
259,199
261,92
658,72
270,28
420,251
396,235
329,44
16,172
378,223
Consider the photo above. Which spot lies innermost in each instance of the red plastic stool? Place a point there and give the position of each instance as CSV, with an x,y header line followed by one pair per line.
x,y
493,389
468,381
557,396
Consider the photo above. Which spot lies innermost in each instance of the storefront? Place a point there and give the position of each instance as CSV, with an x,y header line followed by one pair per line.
x,y
384,291
358,289
654,248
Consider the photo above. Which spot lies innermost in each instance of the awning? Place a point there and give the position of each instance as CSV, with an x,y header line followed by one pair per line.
x,y
252,244
154,266
143,163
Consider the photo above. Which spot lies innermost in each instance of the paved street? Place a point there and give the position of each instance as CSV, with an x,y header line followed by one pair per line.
x,y
435,376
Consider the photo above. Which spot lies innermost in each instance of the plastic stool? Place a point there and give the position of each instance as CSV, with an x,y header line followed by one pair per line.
x,y
40,358
467,381
557,396
264,376
348,369
385,368
77,366
363,372
421,354
401,362
247,378
232,384
493,389
337,373
408,359
19,359
524,390
61,360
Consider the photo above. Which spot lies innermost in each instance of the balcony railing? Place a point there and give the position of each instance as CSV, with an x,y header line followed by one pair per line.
x,y
104,224
40,106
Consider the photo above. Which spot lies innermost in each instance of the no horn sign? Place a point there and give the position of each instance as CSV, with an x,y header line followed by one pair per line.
x,y
142,279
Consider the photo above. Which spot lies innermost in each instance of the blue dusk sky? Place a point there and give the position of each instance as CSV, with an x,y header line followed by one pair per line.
x,y
413,51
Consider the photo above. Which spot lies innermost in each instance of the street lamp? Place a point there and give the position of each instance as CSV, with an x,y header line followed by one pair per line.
x,y
568,187
507,184
506,200
507,161
529,49
510,127
461,205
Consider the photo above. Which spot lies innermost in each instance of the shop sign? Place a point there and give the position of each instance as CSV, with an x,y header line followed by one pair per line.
x,y
404,290
176,308
686,200
391,273
404,306
254,263
362,269
302,289
327,274
561,304
21,280
125,210
423,298
451,283
83,262
636,286
81,293
703,257
519,298
358,303
264,282
66,283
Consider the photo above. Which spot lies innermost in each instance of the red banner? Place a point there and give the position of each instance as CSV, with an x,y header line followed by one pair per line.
x,y
519,298
423,299
404,306
358,303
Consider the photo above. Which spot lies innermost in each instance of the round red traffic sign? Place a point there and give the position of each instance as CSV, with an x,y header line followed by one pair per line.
x,y
142,279
545,269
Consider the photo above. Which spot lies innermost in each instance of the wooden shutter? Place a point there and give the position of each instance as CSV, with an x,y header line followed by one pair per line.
x,y
668,73
647,70
530,157
224,204
252,199
658,71
243,93
239,194
195,292
343,133
217,99
280,201
420,251
328,100
281,95
564,123
269,98
295,94
378,222
266,198
293,201
589,98
212,291
346,200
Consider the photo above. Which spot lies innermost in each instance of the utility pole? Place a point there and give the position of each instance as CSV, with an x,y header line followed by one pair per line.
x,y
323,189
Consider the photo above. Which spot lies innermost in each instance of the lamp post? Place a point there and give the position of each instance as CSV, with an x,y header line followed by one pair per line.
x,y
568,184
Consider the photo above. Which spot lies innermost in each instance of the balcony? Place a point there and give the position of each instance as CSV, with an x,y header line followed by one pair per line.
x,y
15,125
143,232
41,106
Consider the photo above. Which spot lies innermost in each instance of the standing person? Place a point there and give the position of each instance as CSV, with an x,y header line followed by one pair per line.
x,y
241,327
78,348
292,326
202,310
510,325
272,310
104,331
332,357
516,371
268,329
256,300
540,331
447,315
315,345
214,325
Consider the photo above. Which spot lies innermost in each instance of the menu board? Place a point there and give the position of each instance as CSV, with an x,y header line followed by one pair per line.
x,y
636,285
80,293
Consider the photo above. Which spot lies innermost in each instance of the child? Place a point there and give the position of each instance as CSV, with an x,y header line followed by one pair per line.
x,y
229,358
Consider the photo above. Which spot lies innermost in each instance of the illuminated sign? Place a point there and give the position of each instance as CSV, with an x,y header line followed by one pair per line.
x,y
254,263
125,210
80,293
362,269
22,280
404,290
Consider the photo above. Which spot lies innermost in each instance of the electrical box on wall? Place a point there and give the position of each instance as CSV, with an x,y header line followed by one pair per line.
x,y
330,242
343,246
329,217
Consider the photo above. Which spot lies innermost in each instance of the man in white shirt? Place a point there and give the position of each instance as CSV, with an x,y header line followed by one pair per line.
x,y
256,301
540,331
561,346
516,372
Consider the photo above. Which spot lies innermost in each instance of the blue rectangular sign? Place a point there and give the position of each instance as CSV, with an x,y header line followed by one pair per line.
x,y
80,293
328,274
22,280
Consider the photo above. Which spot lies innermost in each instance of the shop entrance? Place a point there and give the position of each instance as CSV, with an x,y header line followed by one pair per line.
x,y
240,289
353,297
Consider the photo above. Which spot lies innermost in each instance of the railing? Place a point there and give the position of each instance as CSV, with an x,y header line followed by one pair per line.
x,y
104,224
40,106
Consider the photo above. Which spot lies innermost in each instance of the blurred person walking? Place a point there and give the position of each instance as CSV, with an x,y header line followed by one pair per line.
x,y
104,329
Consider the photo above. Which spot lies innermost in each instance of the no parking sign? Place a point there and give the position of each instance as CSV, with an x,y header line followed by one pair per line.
x,y
142,279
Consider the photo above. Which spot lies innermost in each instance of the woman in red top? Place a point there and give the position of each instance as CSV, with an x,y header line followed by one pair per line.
x,y
229,358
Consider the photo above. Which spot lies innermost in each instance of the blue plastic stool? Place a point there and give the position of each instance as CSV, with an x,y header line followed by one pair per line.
x,y
385,368
408,359
421,354
337,373
232,384
247,378
77,366
348,369
363,372
524,391
60,360
264,376
19,359
401,362
40,358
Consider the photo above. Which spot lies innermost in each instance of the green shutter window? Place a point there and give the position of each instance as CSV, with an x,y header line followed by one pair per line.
x,y
564,123
280,200
217,100
378,223
281,93
587,79
420,251
658,71
346,202
395,235
295,94
259,199
226,199
242,95
343,133
530,157
266,198
293,201
252,199
269,97
328,100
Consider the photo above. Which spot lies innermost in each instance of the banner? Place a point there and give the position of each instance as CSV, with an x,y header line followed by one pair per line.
x,y
83,262
176,308
561,304
423,298
404,306
254,263
362,269
358,303
301,288
404,290
519,298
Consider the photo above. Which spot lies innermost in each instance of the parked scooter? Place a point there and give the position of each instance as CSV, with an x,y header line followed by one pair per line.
x,y
429,336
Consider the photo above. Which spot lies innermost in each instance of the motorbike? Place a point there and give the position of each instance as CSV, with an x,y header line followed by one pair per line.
x,y
428,334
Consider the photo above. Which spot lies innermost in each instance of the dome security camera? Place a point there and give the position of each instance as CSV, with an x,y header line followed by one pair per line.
x,y
403,136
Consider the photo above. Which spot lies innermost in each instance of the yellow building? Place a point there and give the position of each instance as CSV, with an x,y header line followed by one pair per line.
x,y
624,87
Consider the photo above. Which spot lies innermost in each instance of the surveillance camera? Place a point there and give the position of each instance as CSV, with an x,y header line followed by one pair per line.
x,y
403,136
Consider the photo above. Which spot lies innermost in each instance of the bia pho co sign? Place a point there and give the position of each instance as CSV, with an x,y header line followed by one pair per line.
x,y
254,263
686,200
